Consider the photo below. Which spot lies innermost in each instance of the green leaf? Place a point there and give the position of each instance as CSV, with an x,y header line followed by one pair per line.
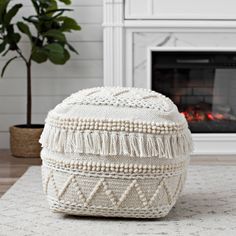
x,y
36,6
31,19
44,3
34,21
2,46
39,55
11,13
37,42
67,55
43,18
5,53
68,24
24,29
72,48
53,5
56,53
59,12
16,37
56,34
7,63
3,9
67,2
13,39
55,48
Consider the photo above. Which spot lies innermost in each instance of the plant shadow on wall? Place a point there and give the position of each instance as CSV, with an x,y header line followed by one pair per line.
x,y
46,31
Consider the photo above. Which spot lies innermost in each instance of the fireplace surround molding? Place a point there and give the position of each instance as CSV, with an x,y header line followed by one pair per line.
x,y
128,41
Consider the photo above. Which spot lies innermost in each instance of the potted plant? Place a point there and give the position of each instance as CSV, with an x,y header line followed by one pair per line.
x,y
46,31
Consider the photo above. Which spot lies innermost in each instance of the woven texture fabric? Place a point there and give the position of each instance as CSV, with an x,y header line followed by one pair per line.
x,y
115,152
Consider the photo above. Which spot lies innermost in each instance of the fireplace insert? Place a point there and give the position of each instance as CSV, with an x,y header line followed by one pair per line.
x,y
202,84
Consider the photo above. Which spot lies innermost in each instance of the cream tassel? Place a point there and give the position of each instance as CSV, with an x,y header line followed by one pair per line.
x,y
168,147
105,144
151,146
88,142
123,145
160,147
79,142
97,143
134,148
61,141
113,143
141,143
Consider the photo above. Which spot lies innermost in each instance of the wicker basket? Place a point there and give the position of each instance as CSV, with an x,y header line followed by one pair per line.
x,y
24,142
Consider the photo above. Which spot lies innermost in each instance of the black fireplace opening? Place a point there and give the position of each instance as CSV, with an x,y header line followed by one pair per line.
x,y
202,85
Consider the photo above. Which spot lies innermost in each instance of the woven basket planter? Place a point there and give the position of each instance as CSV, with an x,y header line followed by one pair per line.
x,y
24,142
120,152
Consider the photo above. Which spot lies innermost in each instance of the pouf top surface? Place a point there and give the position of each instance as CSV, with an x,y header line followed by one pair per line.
x,y
135,104
121,97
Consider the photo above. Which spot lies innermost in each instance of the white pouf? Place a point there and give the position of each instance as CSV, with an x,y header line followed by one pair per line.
x,y
120,152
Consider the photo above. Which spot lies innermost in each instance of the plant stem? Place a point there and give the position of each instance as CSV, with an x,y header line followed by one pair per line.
x,y
29,95
22,56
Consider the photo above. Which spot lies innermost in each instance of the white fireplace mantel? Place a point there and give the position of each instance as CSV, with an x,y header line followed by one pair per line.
x,y
180,9
132,27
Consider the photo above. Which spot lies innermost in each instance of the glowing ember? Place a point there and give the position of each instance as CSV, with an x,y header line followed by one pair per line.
x,y
195,115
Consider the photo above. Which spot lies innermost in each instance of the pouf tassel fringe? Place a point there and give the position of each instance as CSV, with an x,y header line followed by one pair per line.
x,y
111,143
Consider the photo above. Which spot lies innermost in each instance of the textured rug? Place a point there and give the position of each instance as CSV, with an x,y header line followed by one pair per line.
x,y
206,207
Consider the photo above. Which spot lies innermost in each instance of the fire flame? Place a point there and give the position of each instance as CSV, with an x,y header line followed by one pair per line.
x,y
193,116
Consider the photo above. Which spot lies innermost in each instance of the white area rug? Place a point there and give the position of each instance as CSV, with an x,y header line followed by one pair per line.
x,y
207,207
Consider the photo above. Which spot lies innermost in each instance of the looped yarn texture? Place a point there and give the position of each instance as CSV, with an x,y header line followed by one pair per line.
x,y
117,121
115,152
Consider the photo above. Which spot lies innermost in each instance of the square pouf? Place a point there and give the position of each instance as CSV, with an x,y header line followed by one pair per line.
x,y
117,152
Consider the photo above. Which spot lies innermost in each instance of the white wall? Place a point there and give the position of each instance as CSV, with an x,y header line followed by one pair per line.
x,y
53,83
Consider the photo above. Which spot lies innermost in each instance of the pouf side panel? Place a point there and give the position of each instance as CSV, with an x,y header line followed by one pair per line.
x,y
96,193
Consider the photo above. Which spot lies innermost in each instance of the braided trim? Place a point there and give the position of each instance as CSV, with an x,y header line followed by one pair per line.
x,y
112,167
114,125
106,173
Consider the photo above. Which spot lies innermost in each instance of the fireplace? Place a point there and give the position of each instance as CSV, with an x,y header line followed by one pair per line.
x,y
201,83
188,55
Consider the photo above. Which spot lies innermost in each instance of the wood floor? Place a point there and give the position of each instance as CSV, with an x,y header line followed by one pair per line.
x,y
11,168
